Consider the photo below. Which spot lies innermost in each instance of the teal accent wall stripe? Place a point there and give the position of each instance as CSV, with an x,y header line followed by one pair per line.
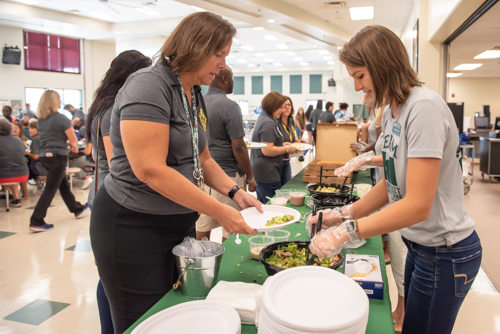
x,y
315,84
239,85
295,84
277,83
257,85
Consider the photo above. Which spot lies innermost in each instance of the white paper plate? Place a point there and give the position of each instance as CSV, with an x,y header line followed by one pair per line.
x,y
303,146
315,300
255,145
202,316
258,220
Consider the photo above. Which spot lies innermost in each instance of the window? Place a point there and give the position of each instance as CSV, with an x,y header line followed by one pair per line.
x,y
314,103
277,83
296,84
258,85
68,96
239,85
315,84
243,106
45,52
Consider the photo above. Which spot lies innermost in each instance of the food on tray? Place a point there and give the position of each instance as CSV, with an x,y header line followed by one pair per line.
x,y
248,143
279,220
292,256
299,146
330,163
325,189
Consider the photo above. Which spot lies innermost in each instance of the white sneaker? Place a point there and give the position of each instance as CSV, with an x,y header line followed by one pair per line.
x,y
86,183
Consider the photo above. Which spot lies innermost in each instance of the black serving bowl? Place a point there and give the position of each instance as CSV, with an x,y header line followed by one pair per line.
x,y
312,188
268,251
333,199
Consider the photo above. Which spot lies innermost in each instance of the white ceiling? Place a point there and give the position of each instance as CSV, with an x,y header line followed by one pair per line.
x,y
483,35
305,27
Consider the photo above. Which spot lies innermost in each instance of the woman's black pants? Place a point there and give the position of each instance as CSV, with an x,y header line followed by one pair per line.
x,y
134,257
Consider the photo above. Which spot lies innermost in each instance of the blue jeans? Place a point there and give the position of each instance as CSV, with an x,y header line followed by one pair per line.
x,y
437,280
286,172
267,189
104,310
299,133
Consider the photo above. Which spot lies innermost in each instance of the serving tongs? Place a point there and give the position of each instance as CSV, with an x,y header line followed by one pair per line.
x,y
315,228
348,199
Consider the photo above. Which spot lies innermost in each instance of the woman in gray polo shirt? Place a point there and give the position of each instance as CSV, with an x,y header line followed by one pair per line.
x,y
267,163
422,182
151,199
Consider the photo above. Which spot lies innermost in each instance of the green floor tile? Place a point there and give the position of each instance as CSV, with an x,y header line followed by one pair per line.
x,y
36,312
5,234
81,246
33,208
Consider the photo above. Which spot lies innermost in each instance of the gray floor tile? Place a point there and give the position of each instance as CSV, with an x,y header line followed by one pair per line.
x,y
81,246
5,234
36,312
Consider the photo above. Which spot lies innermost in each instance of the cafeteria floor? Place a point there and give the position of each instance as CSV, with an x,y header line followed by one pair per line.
x,y
48,280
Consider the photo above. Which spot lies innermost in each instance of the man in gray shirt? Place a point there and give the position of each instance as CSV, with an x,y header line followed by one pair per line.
x,y
78,119
315,116
327,116
225,141
28,112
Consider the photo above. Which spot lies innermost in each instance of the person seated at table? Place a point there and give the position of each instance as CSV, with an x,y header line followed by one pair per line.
x,y
151,199
7,113
422,181
85,162
327,116
343,115
287,127
17,131
78,116
225,134
13,167
55,129
267,163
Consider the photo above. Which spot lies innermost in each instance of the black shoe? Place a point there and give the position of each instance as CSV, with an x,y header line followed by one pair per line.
x,y
16,203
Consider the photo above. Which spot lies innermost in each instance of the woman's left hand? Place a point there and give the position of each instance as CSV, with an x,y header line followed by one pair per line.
x,y
287,143
74,149
245,200
329,243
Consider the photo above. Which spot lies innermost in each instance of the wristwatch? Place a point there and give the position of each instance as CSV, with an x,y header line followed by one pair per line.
x,y
252,180
233,191
352,230
368,160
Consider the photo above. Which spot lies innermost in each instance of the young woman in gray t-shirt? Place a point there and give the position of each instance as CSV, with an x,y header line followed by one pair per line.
x,y
422,183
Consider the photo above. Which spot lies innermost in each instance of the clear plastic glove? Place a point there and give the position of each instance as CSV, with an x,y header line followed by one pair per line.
x,y
355,164
359,147
329,243
331,217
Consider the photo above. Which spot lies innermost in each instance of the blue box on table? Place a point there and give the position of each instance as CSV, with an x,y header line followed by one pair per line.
x,y
365,270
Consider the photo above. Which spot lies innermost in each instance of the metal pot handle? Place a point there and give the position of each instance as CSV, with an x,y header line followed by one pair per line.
x,y
178,283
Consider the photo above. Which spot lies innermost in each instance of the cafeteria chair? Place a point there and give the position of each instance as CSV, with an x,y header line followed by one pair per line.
x,y
7,190
70,171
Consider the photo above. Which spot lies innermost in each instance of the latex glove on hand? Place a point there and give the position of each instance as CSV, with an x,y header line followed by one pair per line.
x,y
331,217
355,164
359,147
329,243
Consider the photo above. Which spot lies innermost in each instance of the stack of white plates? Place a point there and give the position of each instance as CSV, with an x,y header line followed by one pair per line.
x,y
312,299
207,317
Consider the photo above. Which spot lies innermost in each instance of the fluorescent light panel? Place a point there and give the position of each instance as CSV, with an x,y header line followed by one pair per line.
x,y
277,64
453,75
271,21
270,37
361,13
304,63
246,47
323,52
489,54
467,67
269,60
251,65
298,59
241,61
101,16
290,53
328,58
331,62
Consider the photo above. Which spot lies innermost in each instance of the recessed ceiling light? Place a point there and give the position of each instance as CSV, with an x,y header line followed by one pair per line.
x,y
277,64
271,21
361,13
281,46
198,9
230,56
241,61
270,37
339,48
101,16
489,54
315,46
246,47
258,28
323,52
331,62
290,53
467,67
453,75
304,63
258,54
298,58
28,2
147,11
269,60
252,65
328,58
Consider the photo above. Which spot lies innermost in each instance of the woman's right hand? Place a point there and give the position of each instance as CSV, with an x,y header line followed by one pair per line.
x,y
292,149
233,222
331,217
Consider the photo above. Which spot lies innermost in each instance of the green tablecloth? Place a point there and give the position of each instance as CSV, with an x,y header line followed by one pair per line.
x,y
380,319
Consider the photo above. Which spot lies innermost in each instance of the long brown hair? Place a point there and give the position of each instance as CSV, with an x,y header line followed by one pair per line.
x,y
384,55
121,67
301,119
199,36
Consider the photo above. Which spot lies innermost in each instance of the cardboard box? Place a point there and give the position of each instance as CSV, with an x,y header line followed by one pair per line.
x,y
332,151
365,270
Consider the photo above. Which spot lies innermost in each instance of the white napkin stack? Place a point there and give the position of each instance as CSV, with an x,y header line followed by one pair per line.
x,y
239,295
